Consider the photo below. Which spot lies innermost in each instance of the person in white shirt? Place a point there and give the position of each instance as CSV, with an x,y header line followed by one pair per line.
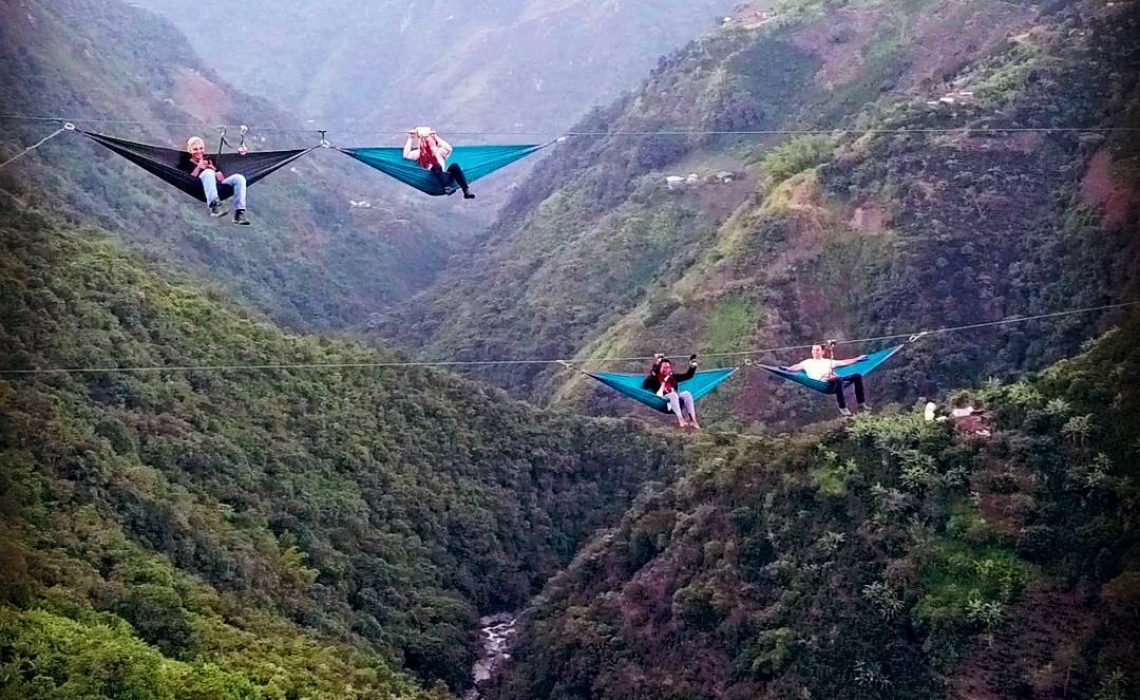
x,y
822,368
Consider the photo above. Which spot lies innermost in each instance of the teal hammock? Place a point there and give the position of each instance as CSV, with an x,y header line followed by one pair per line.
x,y
476,161
865,366
629,385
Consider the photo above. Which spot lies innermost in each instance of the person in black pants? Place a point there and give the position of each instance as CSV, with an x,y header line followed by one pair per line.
x,y
429,150
822,368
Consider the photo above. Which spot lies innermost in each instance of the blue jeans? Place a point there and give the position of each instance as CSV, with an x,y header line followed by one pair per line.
x,y
210,184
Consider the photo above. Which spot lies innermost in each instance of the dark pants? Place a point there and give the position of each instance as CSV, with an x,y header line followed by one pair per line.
x,y
454,176
835,386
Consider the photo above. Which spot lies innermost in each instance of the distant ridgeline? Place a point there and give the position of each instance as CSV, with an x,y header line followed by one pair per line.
x,y
292,532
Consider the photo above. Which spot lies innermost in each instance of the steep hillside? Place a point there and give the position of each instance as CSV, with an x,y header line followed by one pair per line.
x,y
309,259
298,532
505,65
888,558
843,234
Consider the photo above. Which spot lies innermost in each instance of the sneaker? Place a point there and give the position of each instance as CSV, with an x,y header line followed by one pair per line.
x,y
216,209
846,413
865,407
468,195
239,218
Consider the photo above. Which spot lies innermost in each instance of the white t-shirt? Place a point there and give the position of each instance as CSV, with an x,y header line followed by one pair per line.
x,y
819,369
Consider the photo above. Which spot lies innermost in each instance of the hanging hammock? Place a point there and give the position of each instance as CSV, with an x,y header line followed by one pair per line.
x,y
630,385
865,366
476,161
174,167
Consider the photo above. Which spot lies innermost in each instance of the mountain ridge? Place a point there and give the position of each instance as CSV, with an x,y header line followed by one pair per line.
x,y
598,256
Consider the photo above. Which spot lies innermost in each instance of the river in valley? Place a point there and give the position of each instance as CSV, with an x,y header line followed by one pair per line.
x,y
497,633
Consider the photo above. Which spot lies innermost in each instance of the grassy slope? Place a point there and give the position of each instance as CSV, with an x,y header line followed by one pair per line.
x,y
885,558
861,236
320,523
885,234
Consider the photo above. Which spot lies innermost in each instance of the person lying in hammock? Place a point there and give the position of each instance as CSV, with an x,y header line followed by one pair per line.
x,y
431,152
202,167
665,384
821,367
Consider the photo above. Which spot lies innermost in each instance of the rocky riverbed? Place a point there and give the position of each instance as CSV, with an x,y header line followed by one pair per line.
x,y
498,632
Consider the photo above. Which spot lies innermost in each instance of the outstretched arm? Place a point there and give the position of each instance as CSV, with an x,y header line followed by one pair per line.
x,y
796,367
411,149
688,374
844,363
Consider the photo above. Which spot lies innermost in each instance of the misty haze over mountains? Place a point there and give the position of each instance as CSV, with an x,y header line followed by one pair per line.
x,y
490,65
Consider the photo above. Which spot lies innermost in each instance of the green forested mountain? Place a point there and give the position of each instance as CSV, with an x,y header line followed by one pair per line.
x,y
310,259
888,558
845,234
336,530
277,533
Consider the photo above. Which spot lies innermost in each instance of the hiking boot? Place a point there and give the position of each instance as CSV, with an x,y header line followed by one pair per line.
x,y
239,218
216,209
845,412
865,407
467,195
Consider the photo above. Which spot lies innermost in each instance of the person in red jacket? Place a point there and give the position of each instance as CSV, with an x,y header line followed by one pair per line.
x,y
665,384
429,150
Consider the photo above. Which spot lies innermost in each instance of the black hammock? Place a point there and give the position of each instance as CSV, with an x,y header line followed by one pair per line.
x,y
174,166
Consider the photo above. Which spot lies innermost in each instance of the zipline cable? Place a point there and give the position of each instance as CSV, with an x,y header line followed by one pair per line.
x,y
565,362
911,337
68,126
659,132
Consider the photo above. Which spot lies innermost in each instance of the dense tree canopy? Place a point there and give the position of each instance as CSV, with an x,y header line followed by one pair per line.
x,y
889,557
375,509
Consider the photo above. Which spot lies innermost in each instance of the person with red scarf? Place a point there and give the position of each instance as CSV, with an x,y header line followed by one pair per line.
x,y
665,384
429,150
